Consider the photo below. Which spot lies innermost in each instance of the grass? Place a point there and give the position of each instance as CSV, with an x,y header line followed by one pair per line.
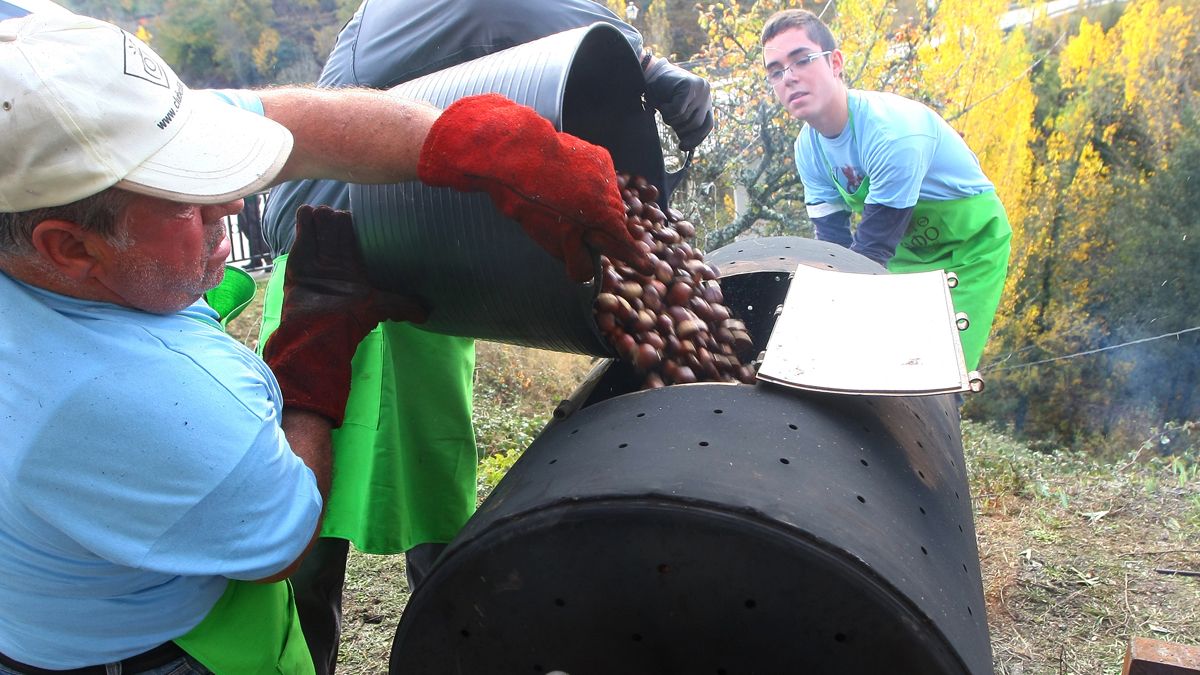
x,y
1072,549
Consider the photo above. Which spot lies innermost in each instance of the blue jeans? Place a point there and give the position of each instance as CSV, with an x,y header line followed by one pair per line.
x,y
184,665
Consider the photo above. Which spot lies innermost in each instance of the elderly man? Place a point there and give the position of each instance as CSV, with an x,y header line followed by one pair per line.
x,y
158,480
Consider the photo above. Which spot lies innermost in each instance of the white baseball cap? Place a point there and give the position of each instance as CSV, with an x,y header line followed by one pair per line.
x,y
85,106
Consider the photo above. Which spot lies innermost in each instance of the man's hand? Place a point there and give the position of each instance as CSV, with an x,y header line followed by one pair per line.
x,y
561,189
329,306
684,99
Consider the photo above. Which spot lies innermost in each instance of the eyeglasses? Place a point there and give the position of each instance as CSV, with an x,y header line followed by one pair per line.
x,y
776,76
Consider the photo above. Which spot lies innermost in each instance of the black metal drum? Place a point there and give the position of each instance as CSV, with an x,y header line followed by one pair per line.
x,y
717,529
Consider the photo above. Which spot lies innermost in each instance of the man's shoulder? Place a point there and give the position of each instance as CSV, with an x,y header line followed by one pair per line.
x,y
884,117
885,108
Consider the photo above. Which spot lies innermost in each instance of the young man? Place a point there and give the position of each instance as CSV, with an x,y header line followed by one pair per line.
x,y
158,481
923,199
408,481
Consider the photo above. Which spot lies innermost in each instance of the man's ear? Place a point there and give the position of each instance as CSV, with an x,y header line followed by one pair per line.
x,y
66,247
838,63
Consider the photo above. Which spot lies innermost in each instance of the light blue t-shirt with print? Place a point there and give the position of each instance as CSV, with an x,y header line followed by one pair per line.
x,y
909,152
142,464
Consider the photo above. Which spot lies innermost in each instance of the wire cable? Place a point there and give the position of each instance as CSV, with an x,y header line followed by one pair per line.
x,y
994,369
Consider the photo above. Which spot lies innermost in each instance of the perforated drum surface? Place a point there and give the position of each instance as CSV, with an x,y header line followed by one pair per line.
x,y
717,528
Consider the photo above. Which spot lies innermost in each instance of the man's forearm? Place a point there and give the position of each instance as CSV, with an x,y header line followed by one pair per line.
x,y
351,135
309,435
833,227
880,231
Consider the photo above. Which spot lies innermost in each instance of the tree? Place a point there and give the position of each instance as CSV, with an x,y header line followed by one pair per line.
x,y
1120,133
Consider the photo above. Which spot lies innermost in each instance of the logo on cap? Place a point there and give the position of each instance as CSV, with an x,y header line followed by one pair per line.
x,y
142,63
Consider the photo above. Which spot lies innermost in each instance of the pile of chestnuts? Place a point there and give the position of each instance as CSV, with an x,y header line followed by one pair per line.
x,y
673,326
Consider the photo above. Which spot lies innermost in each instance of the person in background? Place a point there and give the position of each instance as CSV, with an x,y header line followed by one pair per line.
x,y
922,199
631,12
159,482
405,479
250,223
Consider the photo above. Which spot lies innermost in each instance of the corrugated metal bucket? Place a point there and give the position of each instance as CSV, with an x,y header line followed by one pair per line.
x,y
481,276
725,529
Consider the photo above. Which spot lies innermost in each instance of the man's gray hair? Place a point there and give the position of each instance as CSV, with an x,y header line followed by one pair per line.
x,y
99,213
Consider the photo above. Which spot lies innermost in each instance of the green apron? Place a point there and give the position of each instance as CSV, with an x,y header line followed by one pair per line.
x,y
252,628
968,236
404,460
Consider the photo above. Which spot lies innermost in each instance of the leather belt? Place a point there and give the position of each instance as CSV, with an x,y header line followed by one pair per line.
x,y
160,655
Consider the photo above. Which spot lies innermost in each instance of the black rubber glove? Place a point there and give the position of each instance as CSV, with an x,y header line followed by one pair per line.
x,y
684,100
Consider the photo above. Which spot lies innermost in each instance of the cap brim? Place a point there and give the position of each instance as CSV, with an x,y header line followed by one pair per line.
x,y
219,154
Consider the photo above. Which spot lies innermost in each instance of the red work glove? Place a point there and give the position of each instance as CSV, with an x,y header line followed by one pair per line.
x,y
329,306
561,189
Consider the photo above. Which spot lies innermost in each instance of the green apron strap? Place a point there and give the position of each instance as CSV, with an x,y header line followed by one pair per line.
x,y
232,295
857,200
253,629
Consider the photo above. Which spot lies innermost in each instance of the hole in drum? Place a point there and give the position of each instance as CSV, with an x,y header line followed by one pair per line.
x,y
465,633
718,411
920,473
922,510
784,460
924,551
552,461
793,427
839,637
864,462
623,445
704,444
862,499
641,414
636,637
751,604
559,602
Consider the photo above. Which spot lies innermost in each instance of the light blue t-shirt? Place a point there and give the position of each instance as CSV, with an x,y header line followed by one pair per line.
x,y
142,464
908,151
